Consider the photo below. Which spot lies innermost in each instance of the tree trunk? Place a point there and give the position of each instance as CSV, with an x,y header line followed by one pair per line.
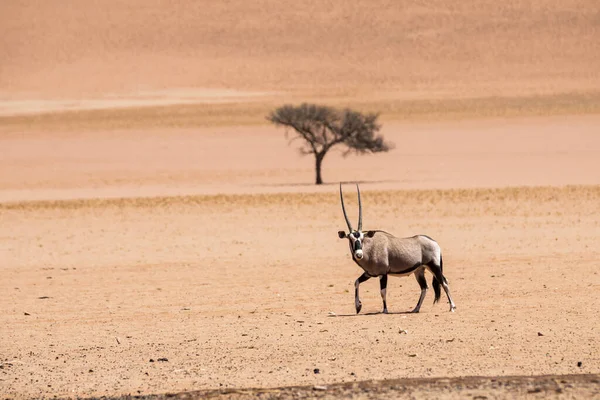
x,y
318,161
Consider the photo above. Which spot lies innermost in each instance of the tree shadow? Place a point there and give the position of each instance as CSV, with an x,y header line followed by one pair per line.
x,y
306,184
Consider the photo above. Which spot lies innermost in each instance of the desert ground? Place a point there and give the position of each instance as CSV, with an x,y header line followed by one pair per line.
x,y
159,238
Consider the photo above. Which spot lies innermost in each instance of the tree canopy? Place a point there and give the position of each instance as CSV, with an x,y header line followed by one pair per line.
x,y
319,128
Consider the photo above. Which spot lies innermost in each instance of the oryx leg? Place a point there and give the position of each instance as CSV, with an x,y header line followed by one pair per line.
x,y
357,283
437,271
383,287
420,275
447,290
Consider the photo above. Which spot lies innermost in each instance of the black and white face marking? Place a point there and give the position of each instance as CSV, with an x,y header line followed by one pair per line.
x,y
356,242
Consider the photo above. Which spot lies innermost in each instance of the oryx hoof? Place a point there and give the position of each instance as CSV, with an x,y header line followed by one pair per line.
x,y
358,307
452,308
385,311
415,311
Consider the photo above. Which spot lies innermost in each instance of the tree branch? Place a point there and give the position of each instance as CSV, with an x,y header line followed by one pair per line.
x,y
322,127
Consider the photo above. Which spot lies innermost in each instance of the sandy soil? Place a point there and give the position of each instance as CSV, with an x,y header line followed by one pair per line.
x,y
237,290
228,160
156,237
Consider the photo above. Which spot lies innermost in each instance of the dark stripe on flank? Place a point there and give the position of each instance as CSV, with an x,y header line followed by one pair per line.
x,y
411,269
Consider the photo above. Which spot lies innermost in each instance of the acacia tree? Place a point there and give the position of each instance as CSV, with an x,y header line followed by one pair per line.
x,y
320,128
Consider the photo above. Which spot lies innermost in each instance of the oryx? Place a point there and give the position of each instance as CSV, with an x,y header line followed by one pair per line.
x,y
381,254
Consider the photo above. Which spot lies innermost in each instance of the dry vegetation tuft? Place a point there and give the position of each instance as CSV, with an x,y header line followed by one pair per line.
x,y
388,198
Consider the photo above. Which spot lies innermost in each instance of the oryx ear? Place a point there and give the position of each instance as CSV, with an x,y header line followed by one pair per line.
x,y
370,234
342,234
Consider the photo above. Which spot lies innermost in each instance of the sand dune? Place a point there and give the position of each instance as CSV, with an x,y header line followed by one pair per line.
x,y
73,49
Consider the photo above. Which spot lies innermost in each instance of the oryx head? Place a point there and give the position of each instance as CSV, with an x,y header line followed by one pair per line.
x,y
355,237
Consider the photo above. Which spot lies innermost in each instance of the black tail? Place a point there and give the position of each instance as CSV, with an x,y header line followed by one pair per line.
x,y
437,285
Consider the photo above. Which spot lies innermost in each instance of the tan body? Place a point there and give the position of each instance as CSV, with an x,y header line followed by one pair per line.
x,y
381,254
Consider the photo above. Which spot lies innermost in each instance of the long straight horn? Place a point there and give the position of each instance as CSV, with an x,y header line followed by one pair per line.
x,y
359,210
344,209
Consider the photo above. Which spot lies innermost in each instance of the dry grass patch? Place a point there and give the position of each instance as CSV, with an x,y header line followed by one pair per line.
x,y
254,112
510,198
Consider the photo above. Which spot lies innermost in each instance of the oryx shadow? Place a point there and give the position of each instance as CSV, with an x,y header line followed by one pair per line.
x,y
372,313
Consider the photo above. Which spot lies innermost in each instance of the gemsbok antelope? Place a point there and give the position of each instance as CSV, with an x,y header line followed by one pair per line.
x,y
381,254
